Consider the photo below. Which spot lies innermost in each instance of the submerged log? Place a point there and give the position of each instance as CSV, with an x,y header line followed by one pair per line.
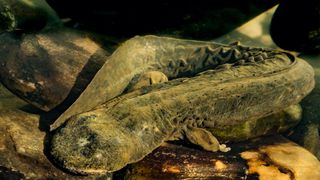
x,y
44,68
272,157
178,162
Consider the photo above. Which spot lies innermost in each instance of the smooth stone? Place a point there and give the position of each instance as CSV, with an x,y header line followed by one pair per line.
x,y
52,66
283,159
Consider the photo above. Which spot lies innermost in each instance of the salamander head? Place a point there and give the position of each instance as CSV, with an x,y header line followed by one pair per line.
x,y
81,147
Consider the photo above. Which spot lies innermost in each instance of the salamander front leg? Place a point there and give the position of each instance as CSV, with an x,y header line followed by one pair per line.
x,y
205,139
146,79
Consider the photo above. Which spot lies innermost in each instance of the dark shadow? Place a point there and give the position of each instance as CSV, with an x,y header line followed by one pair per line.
x,y
10,174
203,19
296,26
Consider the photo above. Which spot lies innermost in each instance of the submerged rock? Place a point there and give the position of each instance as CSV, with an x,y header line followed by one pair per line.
x,y
282,159
9,100
44,68
26,15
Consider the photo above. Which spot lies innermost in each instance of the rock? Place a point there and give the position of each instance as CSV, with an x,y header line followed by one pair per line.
x,y
47,67
10,101
26,15
22,147
282,159
264,158
296,25
255,32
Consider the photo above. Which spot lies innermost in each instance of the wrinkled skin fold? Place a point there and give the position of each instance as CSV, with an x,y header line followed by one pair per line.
x,y
211,86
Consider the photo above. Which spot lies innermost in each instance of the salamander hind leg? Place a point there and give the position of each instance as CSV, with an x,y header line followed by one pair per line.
x,y
204,138
146,79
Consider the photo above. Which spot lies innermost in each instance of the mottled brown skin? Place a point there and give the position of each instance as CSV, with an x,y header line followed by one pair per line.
x,y
127,128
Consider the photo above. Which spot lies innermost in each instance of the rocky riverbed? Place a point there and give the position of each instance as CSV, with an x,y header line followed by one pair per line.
x,y
25,135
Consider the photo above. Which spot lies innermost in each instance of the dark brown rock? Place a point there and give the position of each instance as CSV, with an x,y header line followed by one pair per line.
x,y
10,101
44,68
26,15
